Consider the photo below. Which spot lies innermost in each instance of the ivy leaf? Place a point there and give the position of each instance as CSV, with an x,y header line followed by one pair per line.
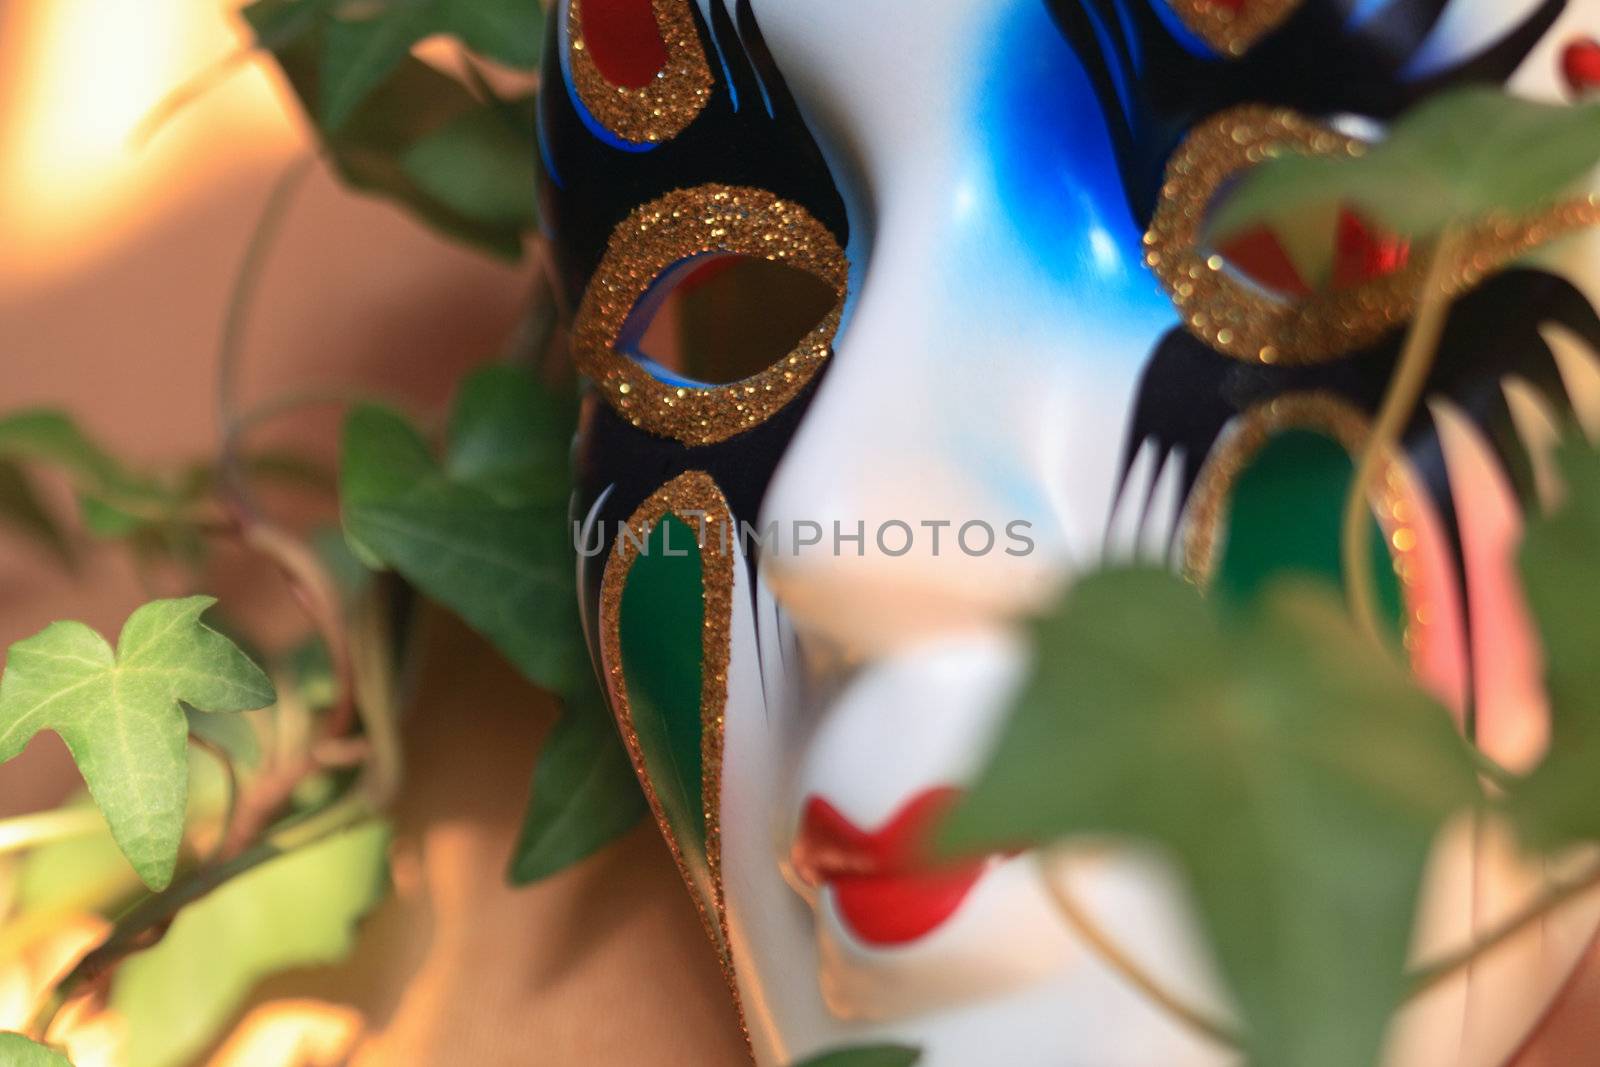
x,y
121,714
1461,155
482,165
44,435
491,548
870,1056
512,438
22,507
408,105
363,44
18,1051
585,794
1294,772
1555,806
296,911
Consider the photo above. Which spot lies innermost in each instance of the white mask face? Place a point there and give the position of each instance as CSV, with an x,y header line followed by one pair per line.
x,y
978,376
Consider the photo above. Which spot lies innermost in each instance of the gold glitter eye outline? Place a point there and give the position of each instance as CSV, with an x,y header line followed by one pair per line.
x,y
695,500
653,113
1335,418
1230,31
658,236
1241,320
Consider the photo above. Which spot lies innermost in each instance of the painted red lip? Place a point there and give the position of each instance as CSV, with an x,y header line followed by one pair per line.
x,y
889,891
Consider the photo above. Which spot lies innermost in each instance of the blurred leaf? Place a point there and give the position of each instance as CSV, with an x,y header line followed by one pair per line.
x,y
1459,156
296,911
871,1056
23,508
47,436
86,873
482,165
107,521
363,43
1557,805
313,674
233,734
120,716
18,1051
374,103
1295,773
504,567
585,794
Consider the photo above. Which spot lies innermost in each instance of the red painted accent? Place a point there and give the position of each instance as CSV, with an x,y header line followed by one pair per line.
x,y
888,890
1364,253
1259,256
1580,62
624,40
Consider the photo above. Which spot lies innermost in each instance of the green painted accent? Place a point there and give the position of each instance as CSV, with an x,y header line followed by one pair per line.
x,y
1285,516
663,611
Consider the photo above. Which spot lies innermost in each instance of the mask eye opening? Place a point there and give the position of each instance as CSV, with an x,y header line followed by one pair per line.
x,y
717,318
672,239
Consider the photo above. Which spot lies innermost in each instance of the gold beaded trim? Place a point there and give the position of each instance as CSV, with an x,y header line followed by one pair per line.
x,y
1236,317
1231,31
656,112
1327,414
697,502
682,224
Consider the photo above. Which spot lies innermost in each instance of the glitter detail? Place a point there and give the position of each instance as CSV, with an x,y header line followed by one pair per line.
x,y
1323,413
652,113
1233,27
1237,318
682,224
697,502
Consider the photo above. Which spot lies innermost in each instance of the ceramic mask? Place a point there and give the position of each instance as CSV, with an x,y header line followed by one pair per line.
x,y
895,318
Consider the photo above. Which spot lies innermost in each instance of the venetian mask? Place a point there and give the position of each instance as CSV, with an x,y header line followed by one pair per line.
x,y
896,316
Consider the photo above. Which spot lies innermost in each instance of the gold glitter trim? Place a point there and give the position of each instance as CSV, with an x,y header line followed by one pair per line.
x,y
652,113
691,222
1236,317
1234,32
1335,418
697,502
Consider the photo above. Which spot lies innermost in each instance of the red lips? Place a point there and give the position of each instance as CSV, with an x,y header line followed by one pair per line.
x,y
888,888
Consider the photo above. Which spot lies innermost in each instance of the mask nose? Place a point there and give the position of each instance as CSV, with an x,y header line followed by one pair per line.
x,y
924,493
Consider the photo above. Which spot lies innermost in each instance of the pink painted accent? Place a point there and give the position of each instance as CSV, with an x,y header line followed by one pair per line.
x,y
1513,710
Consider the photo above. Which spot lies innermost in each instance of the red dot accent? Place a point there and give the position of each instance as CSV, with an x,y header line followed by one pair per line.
x,y
624,40
1580,63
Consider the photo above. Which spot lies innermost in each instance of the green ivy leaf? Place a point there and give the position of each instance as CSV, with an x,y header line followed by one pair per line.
x,y
1459,156
481,165
121,714
364,43
409,104
1555,806
870,1056
296,911
51,437
22,508
18,1051
491,548
1291,768
585,794
512,438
